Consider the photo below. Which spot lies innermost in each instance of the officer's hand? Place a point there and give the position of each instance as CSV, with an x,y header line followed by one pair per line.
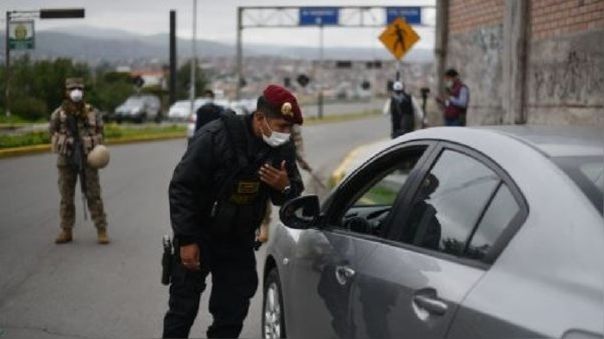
x,y
189,255
275,178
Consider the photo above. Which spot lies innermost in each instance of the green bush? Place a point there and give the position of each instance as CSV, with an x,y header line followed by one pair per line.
x,y
29,108
35,138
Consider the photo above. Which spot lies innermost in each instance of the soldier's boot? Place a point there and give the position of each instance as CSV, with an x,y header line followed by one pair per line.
x,y
102,237
64,237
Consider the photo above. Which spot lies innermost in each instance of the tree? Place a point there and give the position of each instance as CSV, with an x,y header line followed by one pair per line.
x,y
183,81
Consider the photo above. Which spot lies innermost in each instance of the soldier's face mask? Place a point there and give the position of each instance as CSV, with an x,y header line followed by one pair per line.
x,y
275,139
76,94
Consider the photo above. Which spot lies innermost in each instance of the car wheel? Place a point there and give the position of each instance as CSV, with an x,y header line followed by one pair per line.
x,y
273,317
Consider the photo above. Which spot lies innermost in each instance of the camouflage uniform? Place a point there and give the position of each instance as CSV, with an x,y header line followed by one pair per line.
x,y
90,128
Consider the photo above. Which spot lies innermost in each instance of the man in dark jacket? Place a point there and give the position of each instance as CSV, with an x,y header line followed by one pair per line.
x,y
209,111
218,197
402,111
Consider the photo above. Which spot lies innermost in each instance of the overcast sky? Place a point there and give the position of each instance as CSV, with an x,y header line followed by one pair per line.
x,y
217,19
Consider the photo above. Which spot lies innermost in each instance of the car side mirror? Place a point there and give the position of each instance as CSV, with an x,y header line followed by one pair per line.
x,y
301,212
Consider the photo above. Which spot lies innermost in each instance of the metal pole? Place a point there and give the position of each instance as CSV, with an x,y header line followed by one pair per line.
x,y
239,52
172,84
7,70
193,58
320,77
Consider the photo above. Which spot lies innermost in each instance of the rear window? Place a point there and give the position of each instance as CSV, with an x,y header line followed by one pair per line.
x,y
588,174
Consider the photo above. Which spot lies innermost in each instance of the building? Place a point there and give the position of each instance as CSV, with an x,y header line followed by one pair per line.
x,y
526,61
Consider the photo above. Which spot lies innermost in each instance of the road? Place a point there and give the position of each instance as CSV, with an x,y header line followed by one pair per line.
x,y
85,290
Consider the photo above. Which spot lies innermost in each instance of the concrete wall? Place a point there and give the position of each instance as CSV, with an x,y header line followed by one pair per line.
x,y
562,60
565,81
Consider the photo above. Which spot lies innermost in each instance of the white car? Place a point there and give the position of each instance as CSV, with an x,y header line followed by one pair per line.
x,y
181,110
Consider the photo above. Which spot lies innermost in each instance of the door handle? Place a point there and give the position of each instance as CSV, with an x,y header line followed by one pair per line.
x,y
431,304
344,274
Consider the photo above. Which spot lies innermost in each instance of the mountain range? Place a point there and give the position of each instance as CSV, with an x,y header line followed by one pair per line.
x,y
94,45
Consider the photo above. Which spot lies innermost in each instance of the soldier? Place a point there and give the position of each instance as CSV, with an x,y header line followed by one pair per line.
x,y
218,196
75,128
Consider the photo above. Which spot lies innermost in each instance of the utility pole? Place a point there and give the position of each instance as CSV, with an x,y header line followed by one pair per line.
x,y
193,58
320,75
7,68
172,83
239,52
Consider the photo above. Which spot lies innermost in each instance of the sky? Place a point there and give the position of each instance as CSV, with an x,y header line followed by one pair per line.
x,y
216,20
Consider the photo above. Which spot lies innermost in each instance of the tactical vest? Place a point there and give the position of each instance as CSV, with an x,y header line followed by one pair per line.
x,y
241,197
89,128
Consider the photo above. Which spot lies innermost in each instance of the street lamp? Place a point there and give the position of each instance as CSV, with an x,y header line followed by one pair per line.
x,y
54,13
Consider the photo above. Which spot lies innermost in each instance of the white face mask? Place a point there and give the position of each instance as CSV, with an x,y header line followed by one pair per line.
x,y
276,139
76,95
449,83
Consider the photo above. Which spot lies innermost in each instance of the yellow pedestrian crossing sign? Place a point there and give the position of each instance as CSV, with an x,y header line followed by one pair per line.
x,y
399,37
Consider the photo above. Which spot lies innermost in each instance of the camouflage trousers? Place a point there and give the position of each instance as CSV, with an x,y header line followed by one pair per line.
x,y
68,179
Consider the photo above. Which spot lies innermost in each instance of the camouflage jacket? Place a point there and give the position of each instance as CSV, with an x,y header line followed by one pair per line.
x,y
90,129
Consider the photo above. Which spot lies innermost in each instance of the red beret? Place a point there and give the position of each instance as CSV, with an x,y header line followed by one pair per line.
x,y
284,103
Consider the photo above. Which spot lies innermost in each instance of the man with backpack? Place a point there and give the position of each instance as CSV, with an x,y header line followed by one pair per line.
x,y
209,111
218,196
402,109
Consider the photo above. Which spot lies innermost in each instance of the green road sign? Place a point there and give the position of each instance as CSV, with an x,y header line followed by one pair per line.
x,y
21,35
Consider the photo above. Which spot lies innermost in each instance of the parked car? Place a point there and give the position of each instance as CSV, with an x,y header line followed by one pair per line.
x,y
448,233
139,108
181,109
225,104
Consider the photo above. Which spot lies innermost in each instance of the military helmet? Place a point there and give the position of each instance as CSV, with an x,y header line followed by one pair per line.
x,y
71,83
98,157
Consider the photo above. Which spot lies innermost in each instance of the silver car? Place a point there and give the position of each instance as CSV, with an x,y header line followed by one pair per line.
x,y
448,233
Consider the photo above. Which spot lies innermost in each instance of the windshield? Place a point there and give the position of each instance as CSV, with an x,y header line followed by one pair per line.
x,y
588,173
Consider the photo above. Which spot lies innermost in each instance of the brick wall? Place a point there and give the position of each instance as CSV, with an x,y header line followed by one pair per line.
x,y
467,15
552,18
563,79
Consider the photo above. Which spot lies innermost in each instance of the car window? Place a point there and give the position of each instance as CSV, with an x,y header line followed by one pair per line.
x,y
498,216
448,203
377,189
385,191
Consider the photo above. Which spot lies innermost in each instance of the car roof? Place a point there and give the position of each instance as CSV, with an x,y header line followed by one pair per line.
x,y
557,141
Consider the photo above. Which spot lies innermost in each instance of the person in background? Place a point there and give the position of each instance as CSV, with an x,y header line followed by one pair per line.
x,y
208,111
455,103
405,113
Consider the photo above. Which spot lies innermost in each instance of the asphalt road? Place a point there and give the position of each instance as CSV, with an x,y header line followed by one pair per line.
x,y
85,290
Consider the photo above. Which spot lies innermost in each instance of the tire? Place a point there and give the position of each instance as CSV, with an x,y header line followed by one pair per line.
x,y
273,313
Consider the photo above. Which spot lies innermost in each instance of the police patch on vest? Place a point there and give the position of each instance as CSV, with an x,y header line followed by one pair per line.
x,y
246,192
248,187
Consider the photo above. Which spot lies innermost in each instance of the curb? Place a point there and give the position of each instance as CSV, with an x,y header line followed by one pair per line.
x,y
35,149
341,171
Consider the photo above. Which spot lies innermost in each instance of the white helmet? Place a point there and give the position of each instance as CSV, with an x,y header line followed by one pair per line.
x,y
397,86
98,157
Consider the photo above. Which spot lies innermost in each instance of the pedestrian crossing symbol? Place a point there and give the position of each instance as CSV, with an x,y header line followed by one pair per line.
x,y
399,37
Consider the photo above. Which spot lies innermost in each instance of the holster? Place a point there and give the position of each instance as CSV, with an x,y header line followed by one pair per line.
x,y
166,260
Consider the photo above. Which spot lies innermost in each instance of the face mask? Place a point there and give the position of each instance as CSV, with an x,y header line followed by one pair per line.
x,y
276,139
449,83
76,95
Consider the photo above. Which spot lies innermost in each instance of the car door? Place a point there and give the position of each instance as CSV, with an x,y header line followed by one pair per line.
x,y
412,283
327,256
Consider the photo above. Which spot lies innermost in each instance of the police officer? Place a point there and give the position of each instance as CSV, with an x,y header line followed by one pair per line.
x,y
75,128
218,196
